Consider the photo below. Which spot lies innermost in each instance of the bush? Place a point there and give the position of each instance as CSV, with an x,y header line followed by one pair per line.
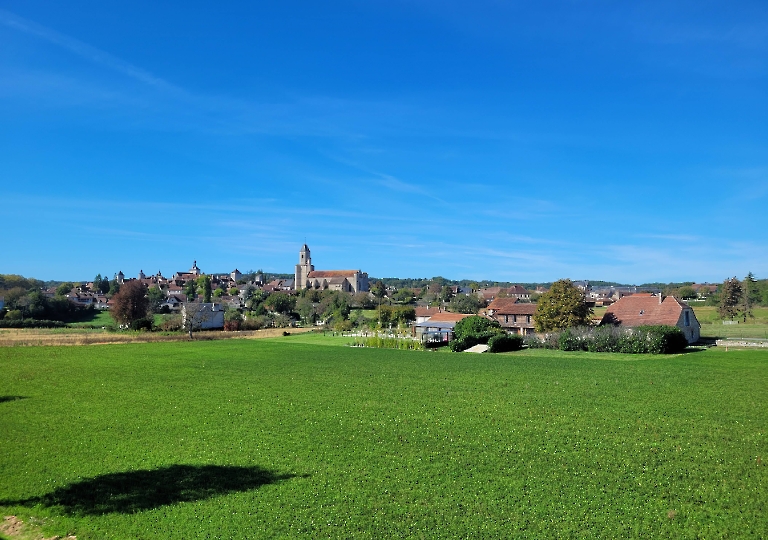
x,y
476,326
171,323
505,343
664,339
144,323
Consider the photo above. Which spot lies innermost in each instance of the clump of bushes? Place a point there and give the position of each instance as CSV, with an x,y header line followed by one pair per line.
x,y
640,340
145,323
474,330
171,323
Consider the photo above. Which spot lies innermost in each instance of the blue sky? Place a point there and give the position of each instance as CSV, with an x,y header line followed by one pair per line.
x,y
516,141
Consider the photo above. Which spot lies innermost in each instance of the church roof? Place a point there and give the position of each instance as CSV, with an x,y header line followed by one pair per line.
x,y
332,273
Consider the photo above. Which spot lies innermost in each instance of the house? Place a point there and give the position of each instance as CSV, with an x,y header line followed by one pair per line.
x,y
205,316
306,277
514,317
439,327
425,313
653,309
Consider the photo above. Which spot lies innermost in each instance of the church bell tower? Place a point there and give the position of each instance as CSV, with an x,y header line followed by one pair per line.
x,y
303,268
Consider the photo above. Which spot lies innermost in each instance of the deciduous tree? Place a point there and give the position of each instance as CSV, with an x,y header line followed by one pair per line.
x,y
131,303
563,306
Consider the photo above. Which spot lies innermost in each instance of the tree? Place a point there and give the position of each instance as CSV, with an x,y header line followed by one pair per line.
x,y
379,290
280,302
190,289
403,296
114,288
563,306
751,295
155,297
730,297
465,303
306,309
363,300
687,292
131,303
204,286
65,288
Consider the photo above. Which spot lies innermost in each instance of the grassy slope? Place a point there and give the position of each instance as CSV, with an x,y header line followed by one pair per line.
x,y
376,443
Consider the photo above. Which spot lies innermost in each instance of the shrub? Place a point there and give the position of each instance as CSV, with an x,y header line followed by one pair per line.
x,y
145,323
505,343
477,326
664,339
569,341
171,323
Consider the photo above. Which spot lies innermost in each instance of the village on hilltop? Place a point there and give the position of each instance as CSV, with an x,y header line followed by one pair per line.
x,y
328,298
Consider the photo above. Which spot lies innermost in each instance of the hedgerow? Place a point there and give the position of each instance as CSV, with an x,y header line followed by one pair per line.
x,y
31,323
660,339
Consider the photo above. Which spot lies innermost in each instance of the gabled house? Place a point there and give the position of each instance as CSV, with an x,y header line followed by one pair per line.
x,y
513,316
439,327
425,313
643,309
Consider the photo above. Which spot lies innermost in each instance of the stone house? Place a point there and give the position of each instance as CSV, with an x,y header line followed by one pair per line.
x,y
514,317
644,309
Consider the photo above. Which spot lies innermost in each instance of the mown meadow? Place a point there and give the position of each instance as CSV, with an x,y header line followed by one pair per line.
x,y
301,436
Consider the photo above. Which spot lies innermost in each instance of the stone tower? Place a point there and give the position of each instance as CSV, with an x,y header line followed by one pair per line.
x,y
303,268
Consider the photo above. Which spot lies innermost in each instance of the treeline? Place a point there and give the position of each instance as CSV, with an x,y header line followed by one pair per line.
x,y
36,306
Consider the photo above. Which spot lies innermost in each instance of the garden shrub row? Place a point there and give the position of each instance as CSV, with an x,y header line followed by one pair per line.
x,y
640,340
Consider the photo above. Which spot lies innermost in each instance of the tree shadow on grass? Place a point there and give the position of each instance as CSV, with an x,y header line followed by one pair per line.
x,y
134,491
3,399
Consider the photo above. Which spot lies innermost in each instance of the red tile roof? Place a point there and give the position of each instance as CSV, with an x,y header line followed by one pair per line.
x,y
510,306
644,308
427,311
447,316
332,273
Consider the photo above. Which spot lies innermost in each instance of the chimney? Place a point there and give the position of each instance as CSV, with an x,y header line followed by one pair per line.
x,y
661,298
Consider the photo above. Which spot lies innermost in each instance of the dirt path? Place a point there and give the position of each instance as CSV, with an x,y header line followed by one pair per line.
x,y
14,528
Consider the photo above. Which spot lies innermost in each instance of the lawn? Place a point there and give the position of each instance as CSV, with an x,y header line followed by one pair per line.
x,y
712,325
287,438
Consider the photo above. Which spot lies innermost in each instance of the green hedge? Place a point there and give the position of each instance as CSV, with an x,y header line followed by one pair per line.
x,y
640,340
31,323
505,343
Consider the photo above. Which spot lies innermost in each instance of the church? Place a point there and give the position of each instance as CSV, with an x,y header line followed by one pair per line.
x,y
351,281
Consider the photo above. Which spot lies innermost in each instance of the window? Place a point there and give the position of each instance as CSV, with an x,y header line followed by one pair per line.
x,y
687,319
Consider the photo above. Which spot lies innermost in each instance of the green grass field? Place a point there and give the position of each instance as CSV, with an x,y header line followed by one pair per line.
x,y
712,325
288,438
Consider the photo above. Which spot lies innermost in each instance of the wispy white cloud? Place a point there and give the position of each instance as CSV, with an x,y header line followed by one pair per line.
x,y
84,50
